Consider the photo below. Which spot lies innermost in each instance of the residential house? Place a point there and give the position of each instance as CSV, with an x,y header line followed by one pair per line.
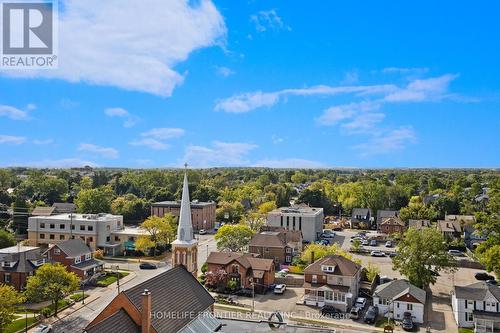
x,y
430,198
202,213
332,280
450,229
396,297
383,214
473,237
42,211
77,257
463,219
361,217
477,305
308,220
280,246
64,207
18,263
392,225
173,301
419,224
244,268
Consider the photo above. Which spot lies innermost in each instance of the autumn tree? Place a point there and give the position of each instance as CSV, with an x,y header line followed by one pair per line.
x,y
233,238
421,253
51,282
160,232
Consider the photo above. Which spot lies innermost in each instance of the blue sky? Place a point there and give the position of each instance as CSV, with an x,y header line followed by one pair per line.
x,y
261,83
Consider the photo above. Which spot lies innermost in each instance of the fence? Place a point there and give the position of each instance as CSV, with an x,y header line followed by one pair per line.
x,y
290,281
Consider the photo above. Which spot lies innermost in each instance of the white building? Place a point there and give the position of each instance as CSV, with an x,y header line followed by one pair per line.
x,y
103,231
309,220
399,296
477,305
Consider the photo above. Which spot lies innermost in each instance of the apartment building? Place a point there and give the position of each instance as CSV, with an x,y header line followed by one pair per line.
x,y
308,220
202,213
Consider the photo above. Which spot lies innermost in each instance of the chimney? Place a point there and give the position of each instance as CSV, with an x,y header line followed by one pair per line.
x,y
312,257
146,312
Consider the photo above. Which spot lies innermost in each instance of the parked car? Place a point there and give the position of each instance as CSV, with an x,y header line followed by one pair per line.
x,y
365,242
328,235
492,282
329,310
244,292
483,276
280,289
385,279
373,242
360,302
147,265
356,238
43,329
355,312
271,286
202,232
392,254
407,323
456,253
284,272
323,242
388,244
371,315
377,254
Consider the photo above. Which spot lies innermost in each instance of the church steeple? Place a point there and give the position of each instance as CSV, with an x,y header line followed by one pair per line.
x,y
185,247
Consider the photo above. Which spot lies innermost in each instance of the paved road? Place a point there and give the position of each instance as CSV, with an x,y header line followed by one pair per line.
x,y
206,244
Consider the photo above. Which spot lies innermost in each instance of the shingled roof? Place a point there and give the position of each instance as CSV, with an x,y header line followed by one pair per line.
x,y
74,248
43,211
343,266
477,291
118,322
397,288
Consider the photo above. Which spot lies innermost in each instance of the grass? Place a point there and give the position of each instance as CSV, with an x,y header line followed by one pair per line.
x,y
19,324
78,297
465,330
382,322
109,278
62,303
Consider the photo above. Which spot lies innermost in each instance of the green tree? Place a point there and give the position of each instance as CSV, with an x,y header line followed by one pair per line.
x,y
9,298
95,200
132,208
6,239
230,212
416,210
266,207
51,282
234,238
356,245
20,217
161,231
372,271
419,253
254,221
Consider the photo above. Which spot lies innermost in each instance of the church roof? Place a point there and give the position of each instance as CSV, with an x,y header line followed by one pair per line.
x,y
185,229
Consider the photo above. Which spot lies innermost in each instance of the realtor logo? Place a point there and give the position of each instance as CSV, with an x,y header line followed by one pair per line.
x,y
28,34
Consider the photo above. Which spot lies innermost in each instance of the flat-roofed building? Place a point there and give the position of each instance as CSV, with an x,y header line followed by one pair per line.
x,y
308,220
202,213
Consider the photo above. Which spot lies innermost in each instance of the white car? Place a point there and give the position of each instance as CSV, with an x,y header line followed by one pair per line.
x,y
365,242
43,329
456,253
360,302
280,289
377,254
202,232
283,272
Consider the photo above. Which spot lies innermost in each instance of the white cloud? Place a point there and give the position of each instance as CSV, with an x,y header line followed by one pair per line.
x,y
338,113
276,139
386,142
129,120
405,70
164,133
11,139
268,20
131,45
31,107
218,154
290,163
150,143
224,71
13,113
421,90
364,122
105,152
43,142
250,101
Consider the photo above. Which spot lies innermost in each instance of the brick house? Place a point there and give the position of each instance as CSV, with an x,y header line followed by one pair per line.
x,y
392,225
280,246
244,268
202,213
76,256
332,280
18,263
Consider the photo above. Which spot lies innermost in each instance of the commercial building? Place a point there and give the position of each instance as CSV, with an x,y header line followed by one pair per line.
x,y
202,213
308,220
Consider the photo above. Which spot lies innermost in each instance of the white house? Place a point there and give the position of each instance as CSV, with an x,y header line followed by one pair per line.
x,y
399,296
477,305
308,220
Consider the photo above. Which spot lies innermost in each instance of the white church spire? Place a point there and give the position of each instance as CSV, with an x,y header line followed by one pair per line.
x,y
185,229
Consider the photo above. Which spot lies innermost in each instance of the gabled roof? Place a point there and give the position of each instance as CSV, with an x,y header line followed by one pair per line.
x,y
360,211
42,211
477,291
268,239
419,224
74,248
175,291
24,259
64,207
397,288
449,226
343,266
118,322
392,221
247,260
386,213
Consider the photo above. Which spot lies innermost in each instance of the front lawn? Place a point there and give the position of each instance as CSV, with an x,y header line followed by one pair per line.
x,y
109,278
78,297
19,324
465,330
382,322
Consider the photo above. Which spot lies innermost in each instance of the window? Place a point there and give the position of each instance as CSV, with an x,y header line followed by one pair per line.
x,y
409,307
61,237
51,236
108,239
90,239
314,279
266,249
57,251
90,228
300,222
82,228
288,259
281,218
108,228
397,304
6,278
42,225
52,226
72,227
88,256
293,223
62,226
42,236
288,250
78,260
328,295
117,239
288,222
468,316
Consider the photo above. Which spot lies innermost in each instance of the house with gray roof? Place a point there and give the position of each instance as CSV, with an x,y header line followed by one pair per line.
x,y
384,214
361,216
477,305
419,224
173,301
396,297
17,263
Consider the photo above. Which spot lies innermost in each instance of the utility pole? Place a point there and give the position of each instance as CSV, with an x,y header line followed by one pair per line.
x,y
118,281
253,296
